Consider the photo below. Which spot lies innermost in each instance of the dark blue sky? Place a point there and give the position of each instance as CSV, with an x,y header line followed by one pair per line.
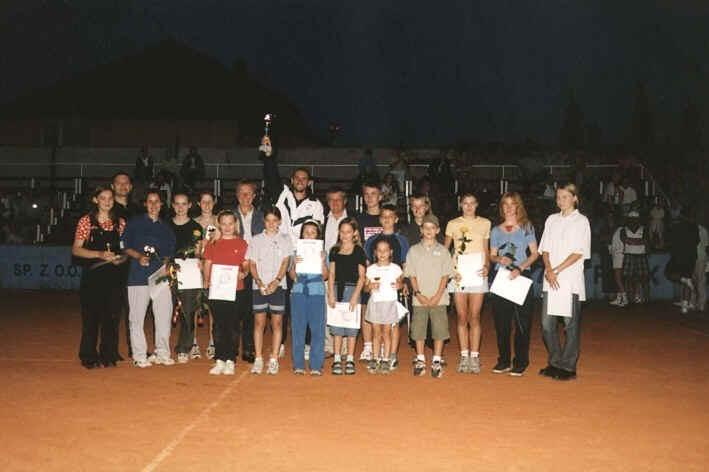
x,y
424,72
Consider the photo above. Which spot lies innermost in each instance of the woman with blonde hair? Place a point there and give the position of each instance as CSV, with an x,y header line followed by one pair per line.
x,y
513,246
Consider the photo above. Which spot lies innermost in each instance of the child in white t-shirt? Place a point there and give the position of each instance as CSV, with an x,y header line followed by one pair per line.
x,y
383,281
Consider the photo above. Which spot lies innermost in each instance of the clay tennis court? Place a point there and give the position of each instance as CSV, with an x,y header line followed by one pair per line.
x,y
640,403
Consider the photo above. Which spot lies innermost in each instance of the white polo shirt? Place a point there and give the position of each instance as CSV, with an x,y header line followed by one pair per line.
x,y
563,236
331,229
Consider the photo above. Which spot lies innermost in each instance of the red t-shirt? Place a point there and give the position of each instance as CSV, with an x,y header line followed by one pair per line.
x,y
227,252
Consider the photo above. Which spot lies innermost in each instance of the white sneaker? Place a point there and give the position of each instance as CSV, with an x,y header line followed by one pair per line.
x,y
365,356
218,368
282,351
229,368
211,352
272,366
164,360
257,368
684,307
183,358
617,301
306,352
143,363
194,352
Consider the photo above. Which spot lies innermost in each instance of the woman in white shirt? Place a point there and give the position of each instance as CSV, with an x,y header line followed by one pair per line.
x,y
565,243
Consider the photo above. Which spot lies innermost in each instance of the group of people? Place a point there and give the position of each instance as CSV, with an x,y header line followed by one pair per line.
x,y
370,263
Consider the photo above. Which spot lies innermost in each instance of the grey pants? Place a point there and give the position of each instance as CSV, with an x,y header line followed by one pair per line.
x,y
566,356
138,300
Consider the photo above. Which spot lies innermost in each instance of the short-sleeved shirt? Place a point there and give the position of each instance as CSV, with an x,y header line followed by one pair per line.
x,y
186,235
140,232
514,243
429,263
473,231
227,252
563,236
267,251
398,243
83,227
347,265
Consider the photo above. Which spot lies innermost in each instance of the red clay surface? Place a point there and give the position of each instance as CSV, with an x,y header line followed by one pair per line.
x,y
640,403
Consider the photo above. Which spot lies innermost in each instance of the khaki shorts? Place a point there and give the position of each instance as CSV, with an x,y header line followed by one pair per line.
x,y
439,323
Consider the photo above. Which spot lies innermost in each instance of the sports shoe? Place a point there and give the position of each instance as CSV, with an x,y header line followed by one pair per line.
x,y
218,368
419,368
282,351
306,352
257,368
161,360
183,358
548,371
517,371
194,352
393,362
436,370
563,374
211,351
474,364
501,368
638,300
372,366
684,307
299,371
143,363
366,356
337,368
272,366
350,368
229,368
463,365
316,373
384,367
618,301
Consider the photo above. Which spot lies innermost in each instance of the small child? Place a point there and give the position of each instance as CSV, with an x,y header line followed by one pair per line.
x,y
383,281
348,265
429,266
228,250
308,309
636,273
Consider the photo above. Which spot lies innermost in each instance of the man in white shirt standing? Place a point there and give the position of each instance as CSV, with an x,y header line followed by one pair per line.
x,y
337,203
565,243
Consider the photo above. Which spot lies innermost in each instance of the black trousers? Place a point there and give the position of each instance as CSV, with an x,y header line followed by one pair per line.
x,y
227,324
506,314
100,304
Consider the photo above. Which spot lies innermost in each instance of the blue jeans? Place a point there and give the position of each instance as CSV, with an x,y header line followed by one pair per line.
x,y
566,356
308,311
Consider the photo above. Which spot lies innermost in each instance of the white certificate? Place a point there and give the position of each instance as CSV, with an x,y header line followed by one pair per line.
x,y
155,287
311,252
189,276
222,282
513,290
469,267
342,317
559,301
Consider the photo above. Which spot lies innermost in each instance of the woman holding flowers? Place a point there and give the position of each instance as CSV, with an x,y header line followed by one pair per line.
x,y
469,234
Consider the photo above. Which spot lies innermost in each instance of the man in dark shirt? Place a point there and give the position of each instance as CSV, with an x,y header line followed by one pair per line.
x,y
368,220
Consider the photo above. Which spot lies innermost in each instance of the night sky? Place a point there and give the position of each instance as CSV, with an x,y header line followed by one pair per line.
x,y
421,72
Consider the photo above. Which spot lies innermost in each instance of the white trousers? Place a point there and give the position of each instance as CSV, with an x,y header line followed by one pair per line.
x,y
138,300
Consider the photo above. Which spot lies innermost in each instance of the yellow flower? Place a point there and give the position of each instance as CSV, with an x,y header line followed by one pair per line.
x,y
197,233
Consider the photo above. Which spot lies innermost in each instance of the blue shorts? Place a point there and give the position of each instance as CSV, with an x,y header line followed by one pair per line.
x,y
274,303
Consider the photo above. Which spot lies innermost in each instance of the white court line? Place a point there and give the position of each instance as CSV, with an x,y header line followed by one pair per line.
x,y
167,450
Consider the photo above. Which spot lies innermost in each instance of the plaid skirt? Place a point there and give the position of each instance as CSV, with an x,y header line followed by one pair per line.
x,y
635,266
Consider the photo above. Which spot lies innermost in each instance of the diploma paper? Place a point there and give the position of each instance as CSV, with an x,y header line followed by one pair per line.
x,y
469,267
513,290
311,252
189,276
342,317
559,302
154,287
222,282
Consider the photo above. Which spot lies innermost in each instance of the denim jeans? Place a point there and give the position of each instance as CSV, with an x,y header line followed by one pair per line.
x,y
308,311
562,357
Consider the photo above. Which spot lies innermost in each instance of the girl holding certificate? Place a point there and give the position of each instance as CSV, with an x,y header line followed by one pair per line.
x,y
308,304
210,231
383,281
97,239
470,235
565,243
269,254
513,246
348,264
229,251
